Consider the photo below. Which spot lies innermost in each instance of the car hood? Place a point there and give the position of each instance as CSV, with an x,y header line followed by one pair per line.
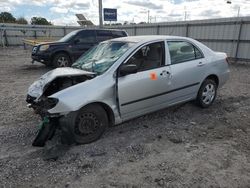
x,y
37,88
52,43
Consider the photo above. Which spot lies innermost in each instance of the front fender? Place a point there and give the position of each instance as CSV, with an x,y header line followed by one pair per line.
x,y
77,96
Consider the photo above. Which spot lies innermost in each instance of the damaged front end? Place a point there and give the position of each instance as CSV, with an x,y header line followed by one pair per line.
x,y
39,98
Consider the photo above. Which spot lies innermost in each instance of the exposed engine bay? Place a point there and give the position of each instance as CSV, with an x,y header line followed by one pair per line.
x,y
39,98
44,103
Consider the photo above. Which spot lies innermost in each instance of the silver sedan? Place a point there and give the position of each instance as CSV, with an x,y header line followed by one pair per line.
x,y
124,78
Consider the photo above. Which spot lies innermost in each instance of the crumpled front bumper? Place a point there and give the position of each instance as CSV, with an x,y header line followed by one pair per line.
x,y
41,107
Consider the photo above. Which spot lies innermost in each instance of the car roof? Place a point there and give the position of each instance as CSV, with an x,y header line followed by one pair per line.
x,y
147,38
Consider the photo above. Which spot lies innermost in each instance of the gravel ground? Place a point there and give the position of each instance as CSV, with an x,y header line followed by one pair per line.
x,y
182,146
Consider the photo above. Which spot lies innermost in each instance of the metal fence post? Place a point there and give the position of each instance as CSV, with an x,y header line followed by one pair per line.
x,y
64,31
158,30
187,26
5,37
135,31
238,40
35,34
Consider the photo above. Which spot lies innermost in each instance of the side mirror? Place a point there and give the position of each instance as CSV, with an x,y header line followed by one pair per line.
x,y
126,69
76,41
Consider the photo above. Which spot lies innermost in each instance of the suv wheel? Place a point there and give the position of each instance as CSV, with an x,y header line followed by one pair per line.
x,y
61,60
207,93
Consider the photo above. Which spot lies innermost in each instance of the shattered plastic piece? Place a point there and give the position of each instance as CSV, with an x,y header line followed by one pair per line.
x,y
46,132
45,120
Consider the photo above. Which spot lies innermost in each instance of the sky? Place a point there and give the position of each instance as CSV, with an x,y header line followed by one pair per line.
x,y
62,12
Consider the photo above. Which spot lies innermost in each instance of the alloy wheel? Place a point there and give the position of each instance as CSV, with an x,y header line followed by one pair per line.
x,y
208,93
62,62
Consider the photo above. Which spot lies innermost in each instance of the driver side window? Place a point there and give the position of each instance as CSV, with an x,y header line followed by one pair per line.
x,y
149,57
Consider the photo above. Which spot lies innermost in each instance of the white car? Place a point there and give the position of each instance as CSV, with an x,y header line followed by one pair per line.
x,y
124,78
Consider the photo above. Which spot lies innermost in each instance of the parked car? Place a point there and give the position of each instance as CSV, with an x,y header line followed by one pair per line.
x,y
68,49
124,78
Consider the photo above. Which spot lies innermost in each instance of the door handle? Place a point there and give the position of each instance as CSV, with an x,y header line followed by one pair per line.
x,y
200,64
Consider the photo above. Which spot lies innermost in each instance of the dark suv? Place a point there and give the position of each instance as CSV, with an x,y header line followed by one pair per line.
x,y
68,49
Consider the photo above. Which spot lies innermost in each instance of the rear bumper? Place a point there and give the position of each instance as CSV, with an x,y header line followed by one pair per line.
x,y
224,78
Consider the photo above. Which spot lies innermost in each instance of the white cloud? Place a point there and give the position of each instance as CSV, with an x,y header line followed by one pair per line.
x,y
58,10
70,20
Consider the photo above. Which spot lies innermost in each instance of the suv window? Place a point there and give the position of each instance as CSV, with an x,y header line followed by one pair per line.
x,y
117,34
86,36
181,51
103,35
149,57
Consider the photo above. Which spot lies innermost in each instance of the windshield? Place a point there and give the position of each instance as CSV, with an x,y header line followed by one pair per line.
x,y
67,37
99,58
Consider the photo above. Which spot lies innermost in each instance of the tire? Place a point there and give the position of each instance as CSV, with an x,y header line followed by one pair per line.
x,y
207,93
61,60
88,124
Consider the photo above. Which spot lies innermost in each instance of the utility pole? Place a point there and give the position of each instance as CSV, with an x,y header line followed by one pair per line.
x,y
185,13
230,2
148,16
238,14
100,14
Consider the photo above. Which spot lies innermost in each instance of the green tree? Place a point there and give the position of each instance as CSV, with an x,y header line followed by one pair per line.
x,y
6,17
21,20
39,21
125,23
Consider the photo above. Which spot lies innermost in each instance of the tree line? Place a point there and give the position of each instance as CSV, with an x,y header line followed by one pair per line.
x,y
6,17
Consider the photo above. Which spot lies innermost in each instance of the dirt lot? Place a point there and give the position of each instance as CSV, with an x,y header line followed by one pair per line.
x,y
183,146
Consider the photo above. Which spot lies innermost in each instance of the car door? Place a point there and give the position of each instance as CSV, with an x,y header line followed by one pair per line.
x,y
144,91
83,41
187,70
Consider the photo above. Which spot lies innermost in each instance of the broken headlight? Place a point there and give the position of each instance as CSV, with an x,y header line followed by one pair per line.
x,y
51,102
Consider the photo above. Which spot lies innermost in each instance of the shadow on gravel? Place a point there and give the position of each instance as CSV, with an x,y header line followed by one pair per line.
x,y
174,125
53,153
35,67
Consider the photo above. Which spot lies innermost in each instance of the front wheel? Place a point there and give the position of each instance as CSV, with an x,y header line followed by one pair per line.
x,y
61,60
88,124
207,93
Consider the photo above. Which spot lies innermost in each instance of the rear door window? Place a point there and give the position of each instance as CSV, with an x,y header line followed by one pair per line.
x,y
117,34
103,35
181,51
87,36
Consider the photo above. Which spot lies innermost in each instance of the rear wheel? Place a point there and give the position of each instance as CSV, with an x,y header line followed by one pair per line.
x,y
88,124
61,60
207,93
